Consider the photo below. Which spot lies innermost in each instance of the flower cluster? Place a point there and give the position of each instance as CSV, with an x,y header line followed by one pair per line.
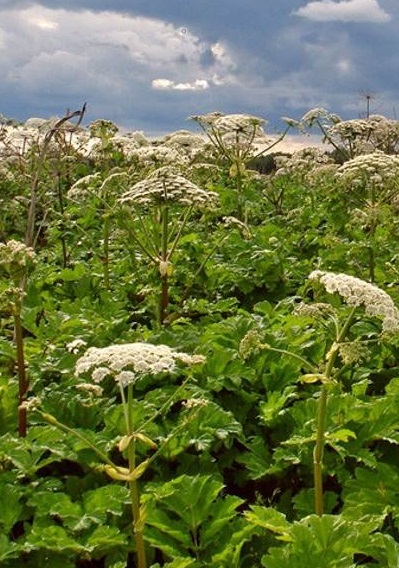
x,y
319,115
353,352
363,136
15,258
317,310
250,344
129,362
232,130
163,154
378,170
302,162
241,123
184,139
164,185
76,345
94,185
357,292
16,252
103,129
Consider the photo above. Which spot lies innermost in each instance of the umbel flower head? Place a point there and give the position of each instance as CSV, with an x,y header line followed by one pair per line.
x,y
129,362
377,169
231,128
164,185
15,258
357,292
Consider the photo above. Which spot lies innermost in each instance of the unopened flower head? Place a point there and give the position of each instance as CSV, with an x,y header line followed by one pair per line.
x,y
129,362
357,292
353,352
317,310
194,403
164,186
251,343
102,128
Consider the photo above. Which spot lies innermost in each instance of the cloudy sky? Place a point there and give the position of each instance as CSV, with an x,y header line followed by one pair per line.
x,y
149,64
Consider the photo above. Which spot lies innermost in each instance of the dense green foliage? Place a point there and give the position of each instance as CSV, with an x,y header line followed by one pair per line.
x,y
209,257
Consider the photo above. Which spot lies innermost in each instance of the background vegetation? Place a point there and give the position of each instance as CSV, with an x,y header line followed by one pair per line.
x,y
204,245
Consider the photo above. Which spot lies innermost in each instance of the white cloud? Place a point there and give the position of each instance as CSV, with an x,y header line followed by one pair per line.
x,y
40,21
167,85
344,10
58,58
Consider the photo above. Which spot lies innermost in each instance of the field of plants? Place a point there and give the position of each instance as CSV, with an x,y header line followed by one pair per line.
x,y
199,345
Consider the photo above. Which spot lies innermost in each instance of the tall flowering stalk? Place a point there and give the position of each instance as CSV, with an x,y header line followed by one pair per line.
x,y
103,189
355,137
161,206
235,138
376,303
127,364
370,183
15,260
359,296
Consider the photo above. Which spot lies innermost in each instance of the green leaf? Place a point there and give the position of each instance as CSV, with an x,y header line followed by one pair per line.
x,y
51,537
57,505
182,563
8,549
188,517
269,519
257,460
104,538
275,403
10,506
317,542
108,499
341,435
373,493
191,498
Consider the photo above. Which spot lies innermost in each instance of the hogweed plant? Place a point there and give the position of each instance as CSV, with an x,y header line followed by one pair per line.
x,y
370,185
343,347
235,138
101,192
375,303
15,261
159,209
355,137
128,364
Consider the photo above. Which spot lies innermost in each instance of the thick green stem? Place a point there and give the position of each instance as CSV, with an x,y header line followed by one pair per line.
x,y
164,257
23,381
138,523
319,451
105,259
321,417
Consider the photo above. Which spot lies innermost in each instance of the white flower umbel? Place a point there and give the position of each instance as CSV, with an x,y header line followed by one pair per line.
x,y
357,292
164,185
378,170
129,362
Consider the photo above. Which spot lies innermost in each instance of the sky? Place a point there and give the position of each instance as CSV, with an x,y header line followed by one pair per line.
x,y
148,65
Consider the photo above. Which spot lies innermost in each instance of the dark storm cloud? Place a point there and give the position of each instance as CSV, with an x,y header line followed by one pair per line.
x,y
151,65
